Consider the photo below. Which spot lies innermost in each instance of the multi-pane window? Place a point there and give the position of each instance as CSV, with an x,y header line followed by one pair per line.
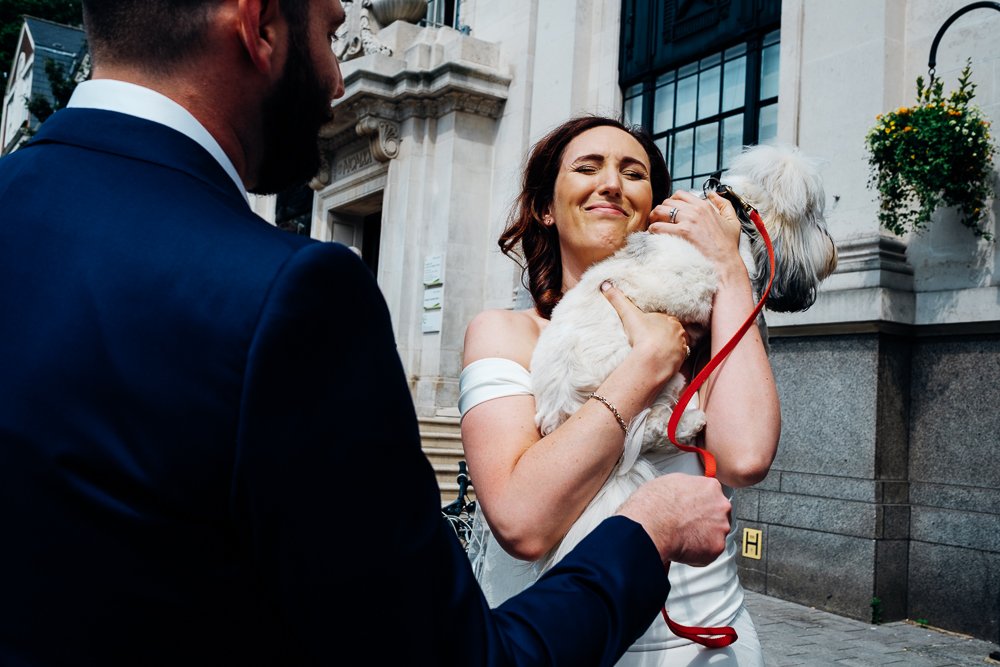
x,y
702,113
445,13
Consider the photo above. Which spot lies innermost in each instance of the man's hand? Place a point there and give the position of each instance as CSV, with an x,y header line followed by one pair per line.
x,y
686,516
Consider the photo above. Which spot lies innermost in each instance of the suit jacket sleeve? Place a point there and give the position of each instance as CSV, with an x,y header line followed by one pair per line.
x,y
339,510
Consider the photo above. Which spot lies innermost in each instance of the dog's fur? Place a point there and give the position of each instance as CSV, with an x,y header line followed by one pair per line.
x,y
585,340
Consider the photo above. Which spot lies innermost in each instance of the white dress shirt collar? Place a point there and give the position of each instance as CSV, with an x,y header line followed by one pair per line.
x,y
142,102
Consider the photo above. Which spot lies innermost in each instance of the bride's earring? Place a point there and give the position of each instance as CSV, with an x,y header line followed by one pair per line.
x,y
547,220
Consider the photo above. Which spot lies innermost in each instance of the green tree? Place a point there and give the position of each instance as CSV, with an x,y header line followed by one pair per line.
x,y
62,89
68,12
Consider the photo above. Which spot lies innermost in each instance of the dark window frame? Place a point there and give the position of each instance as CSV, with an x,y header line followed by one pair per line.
x,y
293,210
660,37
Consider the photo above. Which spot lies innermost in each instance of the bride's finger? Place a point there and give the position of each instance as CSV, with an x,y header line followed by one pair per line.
x,y
687,196
621,303
665,212
727,213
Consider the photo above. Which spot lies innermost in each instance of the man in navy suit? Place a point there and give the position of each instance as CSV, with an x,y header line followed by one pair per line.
x,y
208,450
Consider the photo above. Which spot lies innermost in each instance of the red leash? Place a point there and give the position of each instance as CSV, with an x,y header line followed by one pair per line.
x,y
722,636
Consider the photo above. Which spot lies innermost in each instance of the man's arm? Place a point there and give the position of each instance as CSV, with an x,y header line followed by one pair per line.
x,y
341,509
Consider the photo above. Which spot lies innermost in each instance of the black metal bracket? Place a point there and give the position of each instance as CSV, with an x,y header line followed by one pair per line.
x,y
932,61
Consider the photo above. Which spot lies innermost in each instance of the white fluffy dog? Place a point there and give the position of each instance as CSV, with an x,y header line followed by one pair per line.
x,y
585,340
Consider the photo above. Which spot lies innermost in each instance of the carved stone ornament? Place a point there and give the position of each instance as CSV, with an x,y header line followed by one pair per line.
x,y
355,38
382,145
388,11
383,135
331,141
380,100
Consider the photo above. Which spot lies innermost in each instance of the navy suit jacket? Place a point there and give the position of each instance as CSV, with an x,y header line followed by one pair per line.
x,y
208,449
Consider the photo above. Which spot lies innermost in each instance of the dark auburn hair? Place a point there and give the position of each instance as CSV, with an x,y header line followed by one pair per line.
x,y
538,244
158,34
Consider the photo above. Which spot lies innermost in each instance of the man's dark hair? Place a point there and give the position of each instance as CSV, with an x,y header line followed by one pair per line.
x,y
158,34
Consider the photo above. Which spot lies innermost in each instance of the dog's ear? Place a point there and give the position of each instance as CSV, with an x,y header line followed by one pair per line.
x,y
780,181
786,188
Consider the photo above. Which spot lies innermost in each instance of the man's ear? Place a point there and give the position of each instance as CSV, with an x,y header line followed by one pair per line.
x,y
264,33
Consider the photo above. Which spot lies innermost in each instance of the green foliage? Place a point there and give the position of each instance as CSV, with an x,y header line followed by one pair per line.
x,y
60,82
876,605
68,12
62,87
40,107
936,153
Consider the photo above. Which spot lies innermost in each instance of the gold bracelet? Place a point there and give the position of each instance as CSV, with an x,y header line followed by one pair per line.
x,y
614,411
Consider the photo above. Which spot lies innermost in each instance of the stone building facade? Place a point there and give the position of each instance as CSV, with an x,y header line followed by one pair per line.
x,y
884,499
39,41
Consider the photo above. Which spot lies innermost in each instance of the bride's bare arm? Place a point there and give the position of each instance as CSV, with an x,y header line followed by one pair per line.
x,y
740,399
531,488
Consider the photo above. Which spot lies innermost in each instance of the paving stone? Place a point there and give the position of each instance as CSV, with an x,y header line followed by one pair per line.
x,y
793,635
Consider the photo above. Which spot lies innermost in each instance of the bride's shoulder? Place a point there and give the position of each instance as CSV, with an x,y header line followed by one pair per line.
x,y
507,317
510,334
521,323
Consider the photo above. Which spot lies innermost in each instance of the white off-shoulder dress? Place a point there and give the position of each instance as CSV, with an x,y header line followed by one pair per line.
x,y
701,596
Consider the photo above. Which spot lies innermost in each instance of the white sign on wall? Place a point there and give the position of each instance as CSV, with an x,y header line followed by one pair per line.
x,y
433,294
433,270
431,322
433,297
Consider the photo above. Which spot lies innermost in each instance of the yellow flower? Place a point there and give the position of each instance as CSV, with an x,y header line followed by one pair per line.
x,y
907,128
902,110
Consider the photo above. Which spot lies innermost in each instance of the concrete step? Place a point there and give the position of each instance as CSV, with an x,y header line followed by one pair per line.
x,y
441,430
441,440
444,455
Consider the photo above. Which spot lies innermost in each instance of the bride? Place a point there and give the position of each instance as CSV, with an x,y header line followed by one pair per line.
x,y
586,186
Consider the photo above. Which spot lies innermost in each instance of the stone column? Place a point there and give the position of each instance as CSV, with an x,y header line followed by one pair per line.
x,y
420,113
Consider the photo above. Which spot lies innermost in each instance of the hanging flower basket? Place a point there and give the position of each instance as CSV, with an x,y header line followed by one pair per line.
x,y
936,153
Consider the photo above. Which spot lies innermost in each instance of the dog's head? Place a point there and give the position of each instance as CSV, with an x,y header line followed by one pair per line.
x,y
786,189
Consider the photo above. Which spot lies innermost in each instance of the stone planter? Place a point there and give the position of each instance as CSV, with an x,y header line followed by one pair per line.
x,y
388,11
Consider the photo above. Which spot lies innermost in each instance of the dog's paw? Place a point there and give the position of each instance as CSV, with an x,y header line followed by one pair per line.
x,y
655,434
690,425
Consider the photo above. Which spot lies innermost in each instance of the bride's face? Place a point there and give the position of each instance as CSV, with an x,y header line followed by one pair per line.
x,y
602,194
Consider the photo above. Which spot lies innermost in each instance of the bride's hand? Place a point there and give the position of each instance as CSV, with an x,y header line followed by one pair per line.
x,y
711,225
660,337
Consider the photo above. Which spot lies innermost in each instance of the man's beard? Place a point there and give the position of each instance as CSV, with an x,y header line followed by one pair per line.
x,y
293,114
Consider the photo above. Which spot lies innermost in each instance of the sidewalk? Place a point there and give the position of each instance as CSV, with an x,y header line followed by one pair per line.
x,y
792,634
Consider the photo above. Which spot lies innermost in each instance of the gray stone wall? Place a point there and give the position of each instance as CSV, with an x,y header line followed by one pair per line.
x,y
954,471
885,486
818,507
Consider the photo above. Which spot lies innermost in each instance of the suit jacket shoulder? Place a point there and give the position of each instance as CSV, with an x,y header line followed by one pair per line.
x,y
208,449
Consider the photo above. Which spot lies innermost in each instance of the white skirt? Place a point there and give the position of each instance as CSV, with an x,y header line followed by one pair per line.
x,y
744,652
